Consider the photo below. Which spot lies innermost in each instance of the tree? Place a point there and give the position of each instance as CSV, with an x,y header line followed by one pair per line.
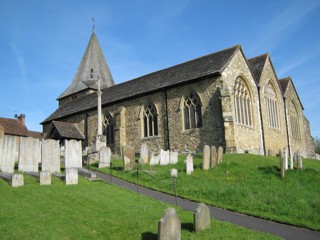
x,y
317,144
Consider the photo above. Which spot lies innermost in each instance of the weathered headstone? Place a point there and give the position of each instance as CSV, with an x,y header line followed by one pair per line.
x,y
189,164
169,226
220,154
174,173
29,154
282,164
15,180
154,159
299,162
144,154
50,155
128,158
8,153
104,157
173,157
201,217
87,173
71,176
291,161
164,157
286,156
73,154
45,178
213,160
206,157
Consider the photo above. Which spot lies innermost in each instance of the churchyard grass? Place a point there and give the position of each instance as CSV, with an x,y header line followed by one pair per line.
x,y
93,210
244,183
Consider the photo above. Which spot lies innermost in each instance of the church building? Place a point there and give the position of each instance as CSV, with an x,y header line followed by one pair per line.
x,y
219,99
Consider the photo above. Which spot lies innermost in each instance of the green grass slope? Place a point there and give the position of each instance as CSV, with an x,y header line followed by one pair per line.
x,y
245,183
93,210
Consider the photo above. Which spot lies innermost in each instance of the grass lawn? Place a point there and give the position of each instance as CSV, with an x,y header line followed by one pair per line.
x,y
244,183
93,210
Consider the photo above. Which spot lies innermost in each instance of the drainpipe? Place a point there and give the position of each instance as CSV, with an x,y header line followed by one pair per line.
x,y
287,127
167,117
261,123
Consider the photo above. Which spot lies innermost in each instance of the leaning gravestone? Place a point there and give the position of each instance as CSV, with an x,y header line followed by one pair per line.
x,y
206,158
144,154
173,159
201,217
213,159
8,153
71,176
29,154
73,154
189,164
45,178
164,157
220,154
128,158
104,157
169,226
154,160
50,156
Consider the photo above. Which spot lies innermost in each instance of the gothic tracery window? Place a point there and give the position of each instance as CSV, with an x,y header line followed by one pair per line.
x,y
242,103
192,112
271,107
294,122
150,121
109,128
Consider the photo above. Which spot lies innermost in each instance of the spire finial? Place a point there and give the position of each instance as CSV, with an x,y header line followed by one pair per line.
x,y
92,24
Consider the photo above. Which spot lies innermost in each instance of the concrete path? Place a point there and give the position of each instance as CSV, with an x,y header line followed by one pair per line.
x,y
257,224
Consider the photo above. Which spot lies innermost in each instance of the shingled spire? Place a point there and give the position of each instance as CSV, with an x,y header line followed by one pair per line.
x,y
92,66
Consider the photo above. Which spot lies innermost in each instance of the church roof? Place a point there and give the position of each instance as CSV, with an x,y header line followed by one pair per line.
x,y
209,65
92,66
284,83
256,65
66,130
14,127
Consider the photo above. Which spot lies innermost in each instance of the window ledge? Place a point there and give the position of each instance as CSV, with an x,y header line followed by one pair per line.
x,y
191,131
152,137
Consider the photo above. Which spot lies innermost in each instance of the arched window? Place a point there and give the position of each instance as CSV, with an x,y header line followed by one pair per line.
x,y
294,122
271,107
150,121
192,112
242,103
109,128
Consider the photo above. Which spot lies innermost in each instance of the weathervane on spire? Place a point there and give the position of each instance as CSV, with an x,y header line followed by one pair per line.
x,y
92,24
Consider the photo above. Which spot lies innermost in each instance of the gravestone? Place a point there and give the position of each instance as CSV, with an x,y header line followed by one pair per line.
x,y
189,164
174,173
71,176
173,157
286,156
50,155
206,157
201,217
269,152
8,153
29,154
169,226
282,164
104,157
220,154
144,154
291,161
15,180
128,158
86,173
45,178
164,157
213,155
73,154
299,162
154,159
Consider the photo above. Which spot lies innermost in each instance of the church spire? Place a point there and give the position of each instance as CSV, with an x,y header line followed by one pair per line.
x,y
92,66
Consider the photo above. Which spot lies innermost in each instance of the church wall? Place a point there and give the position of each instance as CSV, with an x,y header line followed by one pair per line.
x,y
275,138
296,144
240,138
211,133
310,146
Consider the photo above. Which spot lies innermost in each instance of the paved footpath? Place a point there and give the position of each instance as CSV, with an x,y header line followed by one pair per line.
x,y
257,224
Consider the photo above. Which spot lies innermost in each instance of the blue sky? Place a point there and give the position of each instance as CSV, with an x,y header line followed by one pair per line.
x,y
42,43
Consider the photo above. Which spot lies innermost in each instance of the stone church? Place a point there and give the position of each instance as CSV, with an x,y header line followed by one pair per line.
x,y
219,99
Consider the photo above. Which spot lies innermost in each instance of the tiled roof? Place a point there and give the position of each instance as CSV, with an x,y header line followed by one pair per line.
x,y
67,130
94,59
14,127
35,134
256,65
208,65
